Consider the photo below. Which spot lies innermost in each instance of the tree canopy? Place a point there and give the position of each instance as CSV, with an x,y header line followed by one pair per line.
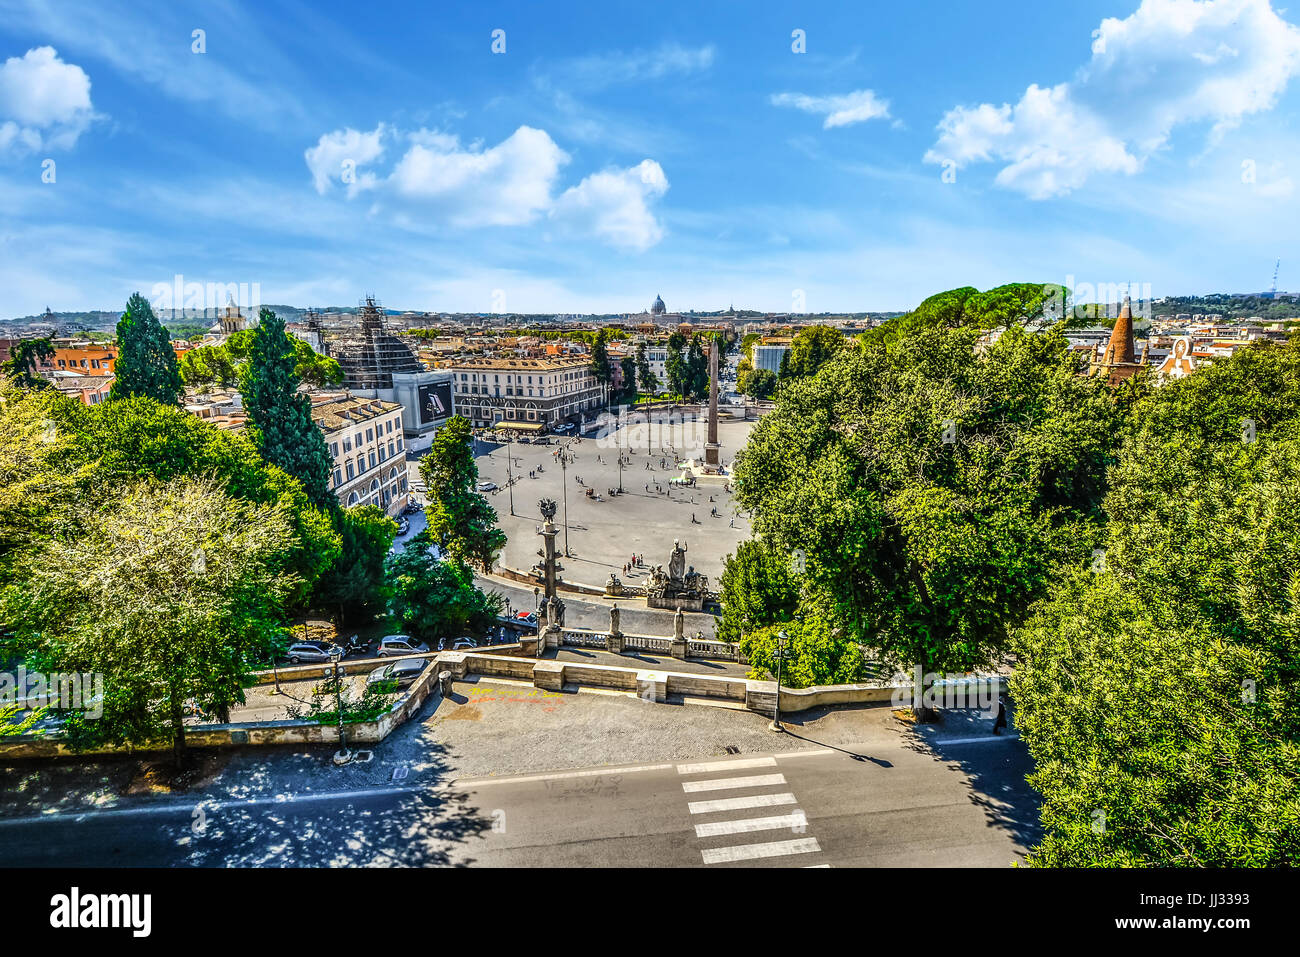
x,y
461,522
279,416
146,363
1159,687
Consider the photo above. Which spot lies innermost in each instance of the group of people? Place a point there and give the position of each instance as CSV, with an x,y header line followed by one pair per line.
x,y
637,561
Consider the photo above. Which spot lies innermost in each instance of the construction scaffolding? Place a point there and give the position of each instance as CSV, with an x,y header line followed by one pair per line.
x,y
369,354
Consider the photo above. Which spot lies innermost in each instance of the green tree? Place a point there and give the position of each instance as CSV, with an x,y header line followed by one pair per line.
x,y
935,492
461,521
675,365
757,589
25,358
354,583
649,382
600,364
1159,686
431,599
279,416
811,349
758,383
170,594
61,461
146,363
628,365
815,654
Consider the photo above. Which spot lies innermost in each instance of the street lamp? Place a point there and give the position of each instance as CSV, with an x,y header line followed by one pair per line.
x,y
620,473
781,638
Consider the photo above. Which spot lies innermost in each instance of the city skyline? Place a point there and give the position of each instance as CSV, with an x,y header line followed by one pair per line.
x,y
587,165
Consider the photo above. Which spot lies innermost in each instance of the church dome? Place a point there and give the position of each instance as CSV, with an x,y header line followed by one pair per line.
x,y
658,308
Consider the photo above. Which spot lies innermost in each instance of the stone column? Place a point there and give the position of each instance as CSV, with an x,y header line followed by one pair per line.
x,y
712,458
678,647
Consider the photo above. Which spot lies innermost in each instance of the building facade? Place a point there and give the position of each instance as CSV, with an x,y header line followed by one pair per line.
x,y
536,393
365,439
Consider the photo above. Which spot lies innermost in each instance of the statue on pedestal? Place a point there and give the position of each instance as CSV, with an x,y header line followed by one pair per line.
x,y
679,625
614,615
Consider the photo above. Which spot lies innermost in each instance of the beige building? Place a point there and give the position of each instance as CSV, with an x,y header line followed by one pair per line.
x,y
364,437
540,392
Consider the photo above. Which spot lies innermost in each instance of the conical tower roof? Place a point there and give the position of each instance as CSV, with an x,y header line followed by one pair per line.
x,y
1121,348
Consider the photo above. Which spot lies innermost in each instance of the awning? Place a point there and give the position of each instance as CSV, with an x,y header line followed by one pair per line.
x,y
518,426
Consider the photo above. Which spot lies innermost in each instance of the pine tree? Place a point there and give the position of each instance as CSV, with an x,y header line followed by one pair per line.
x,y
146,363
280,422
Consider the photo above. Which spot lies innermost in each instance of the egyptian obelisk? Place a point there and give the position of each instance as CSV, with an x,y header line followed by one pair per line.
x,y
711,448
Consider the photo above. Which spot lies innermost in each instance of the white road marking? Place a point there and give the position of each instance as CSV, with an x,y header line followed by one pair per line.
x,y
740,804
781,821
708,766
985,740
723,784
805,754
749,852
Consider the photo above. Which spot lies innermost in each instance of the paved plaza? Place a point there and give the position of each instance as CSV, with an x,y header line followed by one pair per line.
x,y
604,534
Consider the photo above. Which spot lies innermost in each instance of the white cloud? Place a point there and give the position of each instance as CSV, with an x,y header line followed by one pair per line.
x,y
1170,63
506,185
43,101
440,182
614,206
338,157
841,110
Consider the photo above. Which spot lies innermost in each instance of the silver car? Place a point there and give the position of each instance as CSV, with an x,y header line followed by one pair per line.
x,y
392,646
314,651
402,673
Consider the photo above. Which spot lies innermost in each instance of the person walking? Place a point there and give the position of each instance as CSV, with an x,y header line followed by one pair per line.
x,y
1001,721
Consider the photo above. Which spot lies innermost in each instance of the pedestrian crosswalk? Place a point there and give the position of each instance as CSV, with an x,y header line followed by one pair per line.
x,y
729,828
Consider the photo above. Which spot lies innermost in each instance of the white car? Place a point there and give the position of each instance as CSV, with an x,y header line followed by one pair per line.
x,y
463,644
391,646
487,486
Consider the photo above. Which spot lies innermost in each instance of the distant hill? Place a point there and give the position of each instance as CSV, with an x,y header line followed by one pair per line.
x,y
1228,306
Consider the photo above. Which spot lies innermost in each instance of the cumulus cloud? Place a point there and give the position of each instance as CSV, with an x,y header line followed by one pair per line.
x,y
512,183
44,102
841,110
506,185
339,157
1170,63
614,205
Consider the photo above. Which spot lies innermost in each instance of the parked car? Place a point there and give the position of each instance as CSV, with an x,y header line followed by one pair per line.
x,y
464,643
390,646
487,486
401,673
528,616
313,651
403,526
413,508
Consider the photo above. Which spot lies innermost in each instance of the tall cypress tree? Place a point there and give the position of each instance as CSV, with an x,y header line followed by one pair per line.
x,y
146,362
280,422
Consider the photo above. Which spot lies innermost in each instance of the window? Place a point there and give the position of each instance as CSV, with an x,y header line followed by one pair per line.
x,y
338,477
372,459
334,449
351,474
399,445
370,435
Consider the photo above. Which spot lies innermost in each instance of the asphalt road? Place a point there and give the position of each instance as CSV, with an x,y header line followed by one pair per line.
x,y
898,803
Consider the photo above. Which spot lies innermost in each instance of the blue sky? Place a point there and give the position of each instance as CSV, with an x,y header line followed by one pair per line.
x,y
613,152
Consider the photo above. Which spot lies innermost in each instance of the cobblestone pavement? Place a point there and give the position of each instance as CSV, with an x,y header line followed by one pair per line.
x,y
604,535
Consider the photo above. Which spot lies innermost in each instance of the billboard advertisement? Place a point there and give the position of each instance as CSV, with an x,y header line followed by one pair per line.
x,y
435,402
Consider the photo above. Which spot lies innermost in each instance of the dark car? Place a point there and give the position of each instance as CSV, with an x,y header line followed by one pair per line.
x,y
401,673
